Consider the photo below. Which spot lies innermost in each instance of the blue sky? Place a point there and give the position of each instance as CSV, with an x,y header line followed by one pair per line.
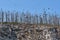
x,y
31,5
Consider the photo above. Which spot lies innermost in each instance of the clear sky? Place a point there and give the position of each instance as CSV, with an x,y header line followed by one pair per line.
x,y
30,5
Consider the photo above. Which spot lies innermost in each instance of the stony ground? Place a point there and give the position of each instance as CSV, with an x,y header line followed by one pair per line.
x,y
14,32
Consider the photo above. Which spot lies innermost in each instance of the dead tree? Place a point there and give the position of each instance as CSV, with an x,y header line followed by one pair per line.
x,y
22,18
41,21
12,17
55,20
2,16
58,20
32,19
16,17
44,17
6,16
36,19
28,18
50,19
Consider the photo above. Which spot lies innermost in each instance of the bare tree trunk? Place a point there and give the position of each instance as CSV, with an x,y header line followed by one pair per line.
x,y
45,18
6,17
16,17
12,17
41,21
